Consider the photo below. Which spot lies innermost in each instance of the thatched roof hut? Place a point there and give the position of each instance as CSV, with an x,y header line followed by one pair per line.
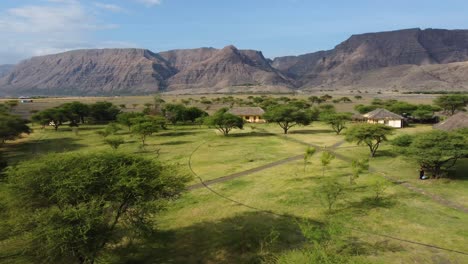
x,y
249,114
455,122
382,114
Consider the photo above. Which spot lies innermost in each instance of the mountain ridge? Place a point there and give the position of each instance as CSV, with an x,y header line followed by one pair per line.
x,y
408,59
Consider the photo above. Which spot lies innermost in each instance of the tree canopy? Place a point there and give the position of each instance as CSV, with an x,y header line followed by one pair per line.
x,y
180,113
371,135
224,121
337,121
145,126
55,116
102,112
11,127
452,103
435,150
287,116
72,207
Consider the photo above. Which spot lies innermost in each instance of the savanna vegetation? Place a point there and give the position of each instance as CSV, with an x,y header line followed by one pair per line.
x,y
102,182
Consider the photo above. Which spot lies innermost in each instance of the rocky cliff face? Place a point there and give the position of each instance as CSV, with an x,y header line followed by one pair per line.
x,y
90,72
411,59
138,71
228,67
351,60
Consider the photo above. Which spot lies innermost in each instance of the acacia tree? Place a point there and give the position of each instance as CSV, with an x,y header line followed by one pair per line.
x,y
71,208
53,116
337,121
287,116
452,103
125,119
145,126
224,121
76,112
435,150
371,135
11,127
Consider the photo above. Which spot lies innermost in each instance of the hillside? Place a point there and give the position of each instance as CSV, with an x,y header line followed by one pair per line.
x,y
5,69
396,59
404,60
138,71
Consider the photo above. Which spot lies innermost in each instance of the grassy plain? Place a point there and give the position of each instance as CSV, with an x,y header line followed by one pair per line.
x,y
203,227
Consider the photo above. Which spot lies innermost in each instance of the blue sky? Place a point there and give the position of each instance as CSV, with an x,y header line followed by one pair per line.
x,y
276,27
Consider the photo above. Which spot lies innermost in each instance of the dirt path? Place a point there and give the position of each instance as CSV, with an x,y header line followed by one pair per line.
x,y
407,185
260,168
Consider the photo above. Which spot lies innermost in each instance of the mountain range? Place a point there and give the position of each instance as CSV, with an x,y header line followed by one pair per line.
x,y
404,60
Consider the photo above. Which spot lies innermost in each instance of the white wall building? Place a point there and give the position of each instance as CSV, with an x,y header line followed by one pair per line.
x,y
385,117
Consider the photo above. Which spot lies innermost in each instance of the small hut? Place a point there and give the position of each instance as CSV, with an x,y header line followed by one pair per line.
x,y
455,122
249,114
383,116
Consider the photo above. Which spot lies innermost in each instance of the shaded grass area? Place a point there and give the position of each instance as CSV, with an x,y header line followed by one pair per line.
x,y
288,190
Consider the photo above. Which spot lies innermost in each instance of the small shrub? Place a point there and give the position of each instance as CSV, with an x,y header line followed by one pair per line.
x,y
114,142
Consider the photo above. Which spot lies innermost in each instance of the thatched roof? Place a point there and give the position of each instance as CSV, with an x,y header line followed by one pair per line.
x,y
457,121
358,117
380,113
247,111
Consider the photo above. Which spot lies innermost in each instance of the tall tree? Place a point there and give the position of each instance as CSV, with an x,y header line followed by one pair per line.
x,y
435,150
54,116
103,112
452,103
371,135
287,116
125,119
174,113
76,111
11,127
71,208
144,127
337,121
224,121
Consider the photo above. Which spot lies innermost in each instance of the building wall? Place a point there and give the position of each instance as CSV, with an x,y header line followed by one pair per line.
x,y
392,123
253,119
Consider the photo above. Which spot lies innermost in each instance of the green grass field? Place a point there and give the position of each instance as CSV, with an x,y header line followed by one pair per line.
x,y
204,226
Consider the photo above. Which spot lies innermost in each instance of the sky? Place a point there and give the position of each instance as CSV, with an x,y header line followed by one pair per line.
x,y
276,27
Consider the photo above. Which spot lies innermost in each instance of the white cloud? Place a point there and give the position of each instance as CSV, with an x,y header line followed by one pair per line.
x,y
150,2
109,7
51,27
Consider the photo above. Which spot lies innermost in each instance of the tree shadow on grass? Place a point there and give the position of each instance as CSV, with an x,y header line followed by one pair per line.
x,y
252,134
177,142
246,238
385,153
311,131
178,133
238,239
363,206
31,148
